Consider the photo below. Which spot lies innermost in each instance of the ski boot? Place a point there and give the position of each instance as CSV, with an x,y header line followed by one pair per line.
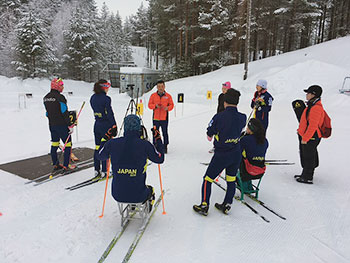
x,y
201,209
98,175
58,167
303,180
69,169
223,207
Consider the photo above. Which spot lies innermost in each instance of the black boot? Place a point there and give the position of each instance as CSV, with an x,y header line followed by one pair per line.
x,y
297,176
304,181
223,207
201,209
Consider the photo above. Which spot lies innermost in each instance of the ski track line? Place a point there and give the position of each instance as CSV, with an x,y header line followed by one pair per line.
x,y
331,249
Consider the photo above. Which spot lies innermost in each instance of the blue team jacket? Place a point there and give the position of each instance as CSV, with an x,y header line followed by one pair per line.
x,y
101,105
129,156
254,152
226,127
262,112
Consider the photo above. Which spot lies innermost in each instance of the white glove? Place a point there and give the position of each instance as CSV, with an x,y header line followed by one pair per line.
x,y
71,129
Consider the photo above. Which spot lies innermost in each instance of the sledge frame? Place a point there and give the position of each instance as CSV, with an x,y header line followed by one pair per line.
x,y
133,211
254,191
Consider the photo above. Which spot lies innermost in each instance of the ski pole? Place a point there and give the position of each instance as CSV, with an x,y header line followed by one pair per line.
x,y
104,199
161,188
81,108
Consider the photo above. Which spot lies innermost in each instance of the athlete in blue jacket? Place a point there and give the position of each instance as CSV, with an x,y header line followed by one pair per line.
x,y
129,156
104,119
262,101
226,128
254,146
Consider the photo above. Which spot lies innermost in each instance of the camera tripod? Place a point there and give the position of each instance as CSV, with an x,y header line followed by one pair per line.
x,y
132,109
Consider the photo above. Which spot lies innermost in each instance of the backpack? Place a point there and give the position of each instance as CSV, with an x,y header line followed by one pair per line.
x,y
326,127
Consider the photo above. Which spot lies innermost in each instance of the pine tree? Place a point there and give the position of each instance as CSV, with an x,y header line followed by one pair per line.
x,y
33,56
80,59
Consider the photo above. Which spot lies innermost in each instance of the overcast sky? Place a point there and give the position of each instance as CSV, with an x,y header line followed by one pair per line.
x,y
124,7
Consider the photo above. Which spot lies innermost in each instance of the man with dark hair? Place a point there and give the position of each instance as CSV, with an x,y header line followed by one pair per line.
x,y
161,103
104,119
59,123
226,128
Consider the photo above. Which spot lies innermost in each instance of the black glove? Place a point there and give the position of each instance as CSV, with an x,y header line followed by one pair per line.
x,y
156,133
112,132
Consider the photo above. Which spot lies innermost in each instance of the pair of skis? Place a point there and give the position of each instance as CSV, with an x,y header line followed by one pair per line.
x,y
267,162
137,238
91,181
252,208
56,174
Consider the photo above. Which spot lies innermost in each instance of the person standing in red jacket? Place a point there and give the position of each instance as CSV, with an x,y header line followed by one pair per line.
x,y
161,103
309,134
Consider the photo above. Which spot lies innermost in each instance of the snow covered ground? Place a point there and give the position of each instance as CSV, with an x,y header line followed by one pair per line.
x,y
46,223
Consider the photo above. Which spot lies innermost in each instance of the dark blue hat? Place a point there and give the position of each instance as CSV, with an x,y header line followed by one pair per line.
x,y
132,123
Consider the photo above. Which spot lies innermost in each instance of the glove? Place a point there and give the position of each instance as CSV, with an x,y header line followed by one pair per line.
x,y
71,129
112,132
156,133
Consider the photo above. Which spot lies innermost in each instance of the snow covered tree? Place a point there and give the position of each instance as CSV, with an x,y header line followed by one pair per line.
x,y
33,57
81,43
9,14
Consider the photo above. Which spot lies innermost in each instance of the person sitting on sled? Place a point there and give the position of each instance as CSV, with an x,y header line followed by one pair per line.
x,y
129,155
254,146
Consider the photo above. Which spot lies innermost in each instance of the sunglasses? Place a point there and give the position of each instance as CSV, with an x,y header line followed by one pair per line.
x,y
106,85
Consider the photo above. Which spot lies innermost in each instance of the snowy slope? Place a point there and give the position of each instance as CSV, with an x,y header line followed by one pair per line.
x,y
48,224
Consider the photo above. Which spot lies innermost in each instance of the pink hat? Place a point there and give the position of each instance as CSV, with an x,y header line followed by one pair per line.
x,y
57,84
226,85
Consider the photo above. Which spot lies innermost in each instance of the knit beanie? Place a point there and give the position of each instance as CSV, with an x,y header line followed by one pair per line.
x,y
57,84
132,123
262,83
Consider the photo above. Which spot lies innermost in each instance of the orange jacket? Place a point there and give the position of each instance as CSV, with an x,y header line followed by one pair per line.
x,y
159,113
315,119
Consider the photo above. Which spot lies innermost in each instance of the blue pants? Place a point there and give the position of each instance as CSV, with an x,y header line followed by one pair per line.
x,y
263,117
60,133
164,126
222,160
100,128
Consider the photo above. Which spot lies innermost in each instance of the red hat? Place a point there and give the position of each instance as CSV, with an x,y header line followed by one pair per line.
x,y
57,84
226,85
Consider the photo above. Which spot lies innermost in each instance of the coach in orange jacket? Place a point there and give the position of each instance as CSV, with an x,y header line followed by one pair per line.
x,y
161,103
309,134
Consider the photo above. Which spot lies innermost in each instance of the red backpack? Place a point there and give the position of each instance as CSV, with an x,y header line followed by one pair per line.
x,y
326,127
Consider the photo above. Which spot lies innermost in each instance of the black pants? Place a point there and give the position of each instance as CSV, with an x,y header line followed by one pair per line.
x,y
309,156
